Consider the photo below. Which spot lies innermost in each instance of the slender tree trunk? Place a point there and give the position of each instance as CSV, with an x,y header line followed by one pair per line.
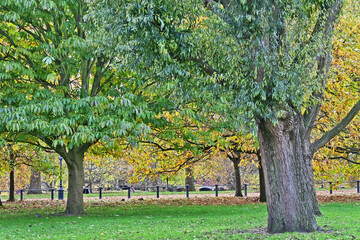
x,y
287,177
12,158
1,205
90,178
189,179
90,187
75,201
262,181
236,162
12,186
35,182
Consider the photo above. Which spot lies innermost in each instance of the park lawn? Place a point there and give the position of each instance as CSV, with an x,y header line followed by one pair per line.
x,y
123,193
140,220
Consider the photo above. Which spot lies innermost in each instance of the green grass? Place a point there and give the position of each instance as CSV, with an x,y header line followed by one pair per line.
x,y
113,194
142,221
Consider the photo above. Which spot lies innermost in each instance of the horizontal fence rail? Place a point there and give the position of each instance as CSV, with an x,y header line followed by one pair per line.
x,y
129,190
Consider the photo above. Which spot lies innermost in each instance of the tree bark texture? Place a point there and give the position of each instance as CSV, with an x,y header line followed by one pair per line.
x,y
284,154
262,182
311,180
35,182
75,201
236,162
189,179
12,186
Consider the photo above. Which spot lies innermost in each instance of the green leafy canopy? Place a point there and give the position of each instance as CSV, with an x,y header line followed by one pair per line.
x,y
56,86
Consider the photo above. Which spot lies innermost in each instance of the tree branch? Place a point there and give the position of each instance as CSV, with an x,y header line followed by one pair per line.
x,y
159,146
337,129
97,90
60,150
98,76
324,26
178,167
344,158
9,38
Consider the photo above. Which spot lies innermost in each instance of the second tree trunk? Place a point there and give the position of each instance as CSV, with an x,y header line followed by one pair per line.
x,y
236,162
12,186
75,202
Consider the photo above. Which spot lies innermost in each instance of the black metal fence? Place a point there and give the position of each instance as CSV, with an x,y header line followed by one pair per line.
x,y
161,189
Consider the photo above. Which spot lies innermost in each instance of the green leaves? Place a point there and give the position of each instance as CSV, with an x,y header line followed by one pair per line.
x,y
55,84
48,60
79,75
11,16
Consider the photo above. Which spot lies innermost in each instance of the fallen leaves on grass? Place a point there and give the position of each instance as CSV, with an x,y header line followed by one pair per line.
x,y
118,201
204,201
339,198
33,204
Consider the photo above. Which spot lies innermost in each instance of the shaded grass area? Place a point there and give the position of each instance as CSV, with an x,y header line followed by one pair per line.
x,y
168,220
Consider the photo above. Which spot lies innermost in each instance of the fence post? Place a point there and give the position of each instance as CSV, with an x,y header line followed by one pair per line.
x,y
100,192
21,194
129,194
358,186
52,193
187,191
216,190
330,183
61,193
157,191
245,189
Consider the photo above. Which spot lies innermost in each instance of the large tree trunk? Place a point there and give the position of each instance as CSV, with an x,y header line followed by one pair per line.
x,y
261,181
35,182
189,179
236,162
12,186
287,177
75,200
